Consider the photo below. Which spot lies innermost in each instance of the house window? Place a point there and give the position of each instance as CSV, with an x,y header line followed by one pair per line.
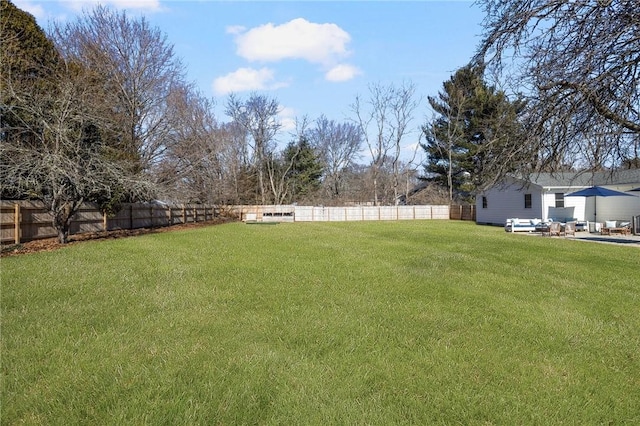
x,y
559,199
527,201
484,202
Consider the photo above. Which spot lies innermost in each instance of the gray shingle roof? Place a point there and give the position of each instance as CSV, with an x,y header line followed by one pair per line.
x,y
586,178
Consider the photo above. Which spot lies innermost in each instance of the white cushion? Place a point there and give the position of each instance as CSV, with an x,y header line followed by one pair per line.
x,y
610,224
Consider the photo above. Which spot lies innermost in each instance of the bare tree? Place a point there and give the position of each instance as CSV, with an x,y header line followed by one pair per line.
x,y
258,117
139,67
339,147
403,104
383,122
56,148
579,63
410,173
279,166
238,177
192,165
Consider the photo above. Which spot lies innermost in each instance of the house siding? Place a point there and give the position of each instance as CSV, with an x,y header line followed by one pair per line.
x,y
574,207
507,201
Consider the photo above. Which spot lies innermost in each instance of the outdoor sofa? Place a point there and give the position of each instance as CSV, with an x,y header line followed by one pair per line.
x,y
616,227
537,225
521,225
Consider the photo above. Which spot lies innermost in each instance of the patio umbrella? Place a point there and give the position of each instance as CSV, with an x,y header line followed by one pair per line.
x,y
597,191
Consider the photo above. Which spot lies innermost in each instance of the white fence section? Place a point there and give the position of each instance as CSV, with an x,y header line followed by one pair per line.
x,y
343,214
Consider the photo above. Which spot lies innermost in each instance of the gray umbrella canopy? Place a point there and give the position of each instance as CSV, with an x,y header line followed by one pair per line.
x,y
635,189
598,191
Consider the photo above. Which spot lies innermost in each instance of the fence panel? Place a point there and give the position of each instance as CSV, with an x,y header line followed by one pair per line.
x,y
22,221
463,212
359,213
352,213
8,222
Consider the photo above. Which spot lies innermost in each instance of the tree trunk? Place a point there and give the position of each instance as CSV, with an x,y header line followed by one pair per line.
x,y
63,234
62,215
62,224
375,189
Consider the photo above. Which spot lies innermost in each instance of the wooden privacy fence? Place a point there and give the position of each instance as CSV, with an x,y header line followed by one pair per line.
x,y
22,221
462,212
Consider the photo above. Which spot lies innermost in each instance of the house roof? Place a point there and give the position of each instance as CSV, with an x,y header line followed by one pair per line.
x,y
583,179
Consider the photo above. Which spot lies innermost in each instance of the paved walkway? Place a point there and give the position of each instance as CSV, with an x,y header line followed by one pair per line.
x,y
627,240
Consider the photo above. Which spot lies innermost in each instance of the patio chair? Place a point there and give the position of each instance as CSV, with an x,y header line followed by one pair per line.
x,y
555,228
570,228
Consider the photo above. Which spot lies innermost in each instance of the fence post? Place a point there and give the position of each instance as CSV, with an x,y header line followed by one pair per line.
x,y
104,221
16,223
151,214
170,215
130,216
184,214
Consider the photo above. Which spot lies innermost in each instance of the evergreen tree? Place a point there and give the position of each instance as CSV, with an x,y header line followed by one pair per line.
x,y
306,169
476,137
26,52
28,60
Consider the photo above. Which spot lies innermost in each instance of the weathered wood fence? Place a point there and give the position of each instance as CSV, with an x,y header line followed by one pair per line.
x,y
462,212
22,221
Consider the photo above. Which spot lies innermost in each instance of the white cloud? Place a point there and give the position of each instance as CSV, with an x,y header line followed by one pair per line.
x,y
246,79
342,72
35,9
287,118
297,39
235,29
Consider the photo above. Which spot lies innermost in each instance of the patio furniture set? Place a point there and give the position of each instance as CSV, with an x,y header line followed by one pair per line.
x,y
566,226
555,225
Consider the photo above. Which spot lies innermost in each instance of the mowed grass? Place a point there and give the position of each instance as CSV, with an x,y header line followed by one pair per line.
x,y
421,322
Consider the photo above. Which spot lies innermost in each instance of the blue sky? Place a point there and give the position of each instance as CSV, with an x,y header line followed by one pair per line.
x,y
314,57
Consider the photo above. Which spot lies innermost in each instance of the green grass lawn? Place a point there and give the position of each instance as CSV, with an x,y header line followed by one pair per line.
x,y
422,322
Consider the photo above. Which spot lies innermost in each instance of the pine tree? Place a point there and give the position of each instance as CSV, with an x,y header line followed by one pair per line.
x,y
306,169
475,138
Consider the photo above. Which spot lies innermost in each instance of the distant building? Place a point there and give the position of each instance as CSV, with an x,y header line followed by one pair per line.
x,y
543,197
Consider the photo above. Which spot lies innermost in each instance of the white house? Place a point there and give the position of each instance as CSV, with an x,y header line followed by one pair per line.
x,y
544,196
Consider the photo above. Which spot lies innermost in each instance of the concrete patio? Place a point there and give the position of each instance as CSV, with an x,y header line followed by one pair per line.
x,y
596,237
